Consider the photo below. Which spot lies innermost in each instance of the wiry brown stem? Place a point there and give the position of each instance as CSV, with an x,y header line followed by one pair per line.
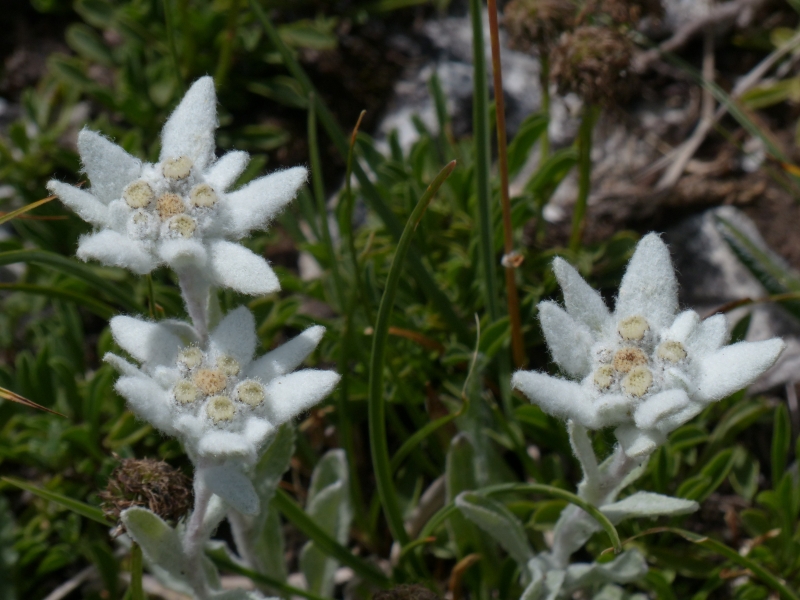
x,y
510,264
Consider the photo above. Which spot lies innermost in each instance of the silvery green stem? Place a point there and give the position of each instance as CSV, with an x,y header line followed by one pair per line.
x,y
195,290
600,487
194,540
244,545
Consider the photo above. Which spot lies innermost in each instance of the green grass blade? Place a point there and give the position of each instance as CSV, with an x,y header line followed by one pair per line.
x,y
169,24
416,439
326,543
101,309
371,194
286,590
536,488
70,267
319,196
137,571
85,510
15,213
376,405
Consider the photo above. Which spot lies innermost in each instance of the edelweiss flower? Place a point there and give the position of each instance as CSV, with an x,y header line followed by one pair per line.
x,y
643,368
219,401
178,211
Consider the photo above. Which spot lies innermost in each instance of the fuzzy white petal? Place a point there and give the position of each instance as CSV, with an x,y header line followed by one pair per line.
x,y
286,358
84,204
147,400
235,336
145,341
290,395
191,427
683,326
735,367
257,430
570,341
189,131
710,335
121,365
234,266
649,287
557,397
613,409
581,300
114,249
179,254
215,443
253,206
181,329
223,173
672,421
660,406
637,443
233,486
108,166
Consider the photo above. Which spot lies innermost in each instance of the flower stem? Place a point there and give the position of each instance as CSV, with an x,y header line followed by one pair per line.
x,y
137,591
195,538
517,344
588,120
195,290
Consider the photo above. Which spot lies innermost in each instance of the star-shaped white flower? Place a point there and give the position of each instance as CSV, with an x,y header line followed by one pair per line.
x,y
216,399
178,211
645,368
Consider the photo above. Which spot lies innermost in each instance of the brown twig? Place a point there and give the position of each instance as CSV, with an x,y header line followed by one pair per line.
x,y
729,306
458,572
517,345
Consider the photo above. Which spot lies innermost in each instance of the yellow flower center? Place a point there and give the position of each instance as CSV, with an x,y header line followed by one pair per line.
x,y
191,357
203,195
628,358
637,382
185,392
228,365
183,224
169,205
671,351
210,381
604,376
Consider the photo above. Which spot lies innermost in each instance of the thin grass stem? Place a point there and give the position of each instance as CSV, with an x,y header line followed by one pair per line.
x,y
169,23
137,572
228,38
517,344
318,186
376,405
584,175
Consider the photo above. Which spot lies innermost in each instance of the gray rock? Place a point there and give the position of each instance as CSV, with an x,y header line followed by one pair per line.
x,y
710,276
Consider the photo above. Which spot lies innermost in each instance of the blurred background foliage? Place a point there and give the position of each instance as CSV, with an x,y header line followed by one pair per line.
x,y
119,67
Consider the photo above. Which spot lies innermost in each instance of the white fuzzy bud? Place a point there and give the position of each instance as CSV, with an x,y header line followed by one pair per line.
x,y
184,225
138,194
671,351
203,196
633,328
637,382
177,168
604,376
250,392
185,392
191,357
220,408
228,365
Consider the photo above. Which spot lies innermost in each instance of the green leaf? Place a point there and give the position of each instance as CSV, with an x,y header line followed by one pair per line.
x,y
710,477
781,443
528,134
76,506
329,505
85,41
495,337
74,268
647,504
496,520
160,543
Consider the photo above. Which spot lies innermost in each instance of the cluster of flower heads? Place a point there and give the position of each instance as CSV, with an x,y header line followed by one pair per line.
x,y
216,398
178,211
645,368
207,390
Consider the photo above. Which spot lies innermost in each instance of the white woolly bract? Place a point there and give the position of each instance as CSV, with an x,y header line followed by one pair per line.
x,y
643,369
214,397
178,211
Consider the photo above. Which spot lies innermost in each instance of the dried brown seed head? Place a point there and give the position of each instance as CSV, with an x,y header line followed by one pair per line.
x,y
533,23
148,483
169,205
594,63
210,381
